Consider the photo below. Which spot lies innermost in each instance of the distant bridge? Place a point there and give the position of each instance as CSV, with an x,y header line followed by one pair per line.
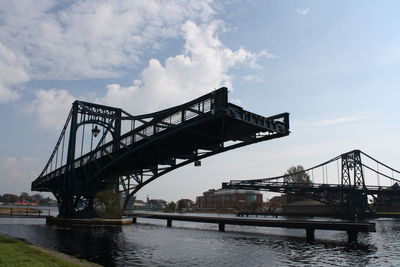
x,y
104,153
349,195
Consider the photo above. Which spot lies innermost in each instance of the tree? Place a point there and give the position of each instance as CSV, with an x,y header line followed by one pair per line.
x,y
24,195
253,206
107,204
171,205
37,197
296,175
184,204
10,198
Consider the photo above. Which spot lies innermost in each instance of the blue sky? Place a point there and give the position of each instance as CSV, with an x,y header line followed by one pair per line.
x,y
334,65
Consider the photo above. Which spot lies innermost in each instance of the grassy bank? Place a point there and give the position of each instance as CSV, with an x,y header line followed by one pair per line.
x,y
18,253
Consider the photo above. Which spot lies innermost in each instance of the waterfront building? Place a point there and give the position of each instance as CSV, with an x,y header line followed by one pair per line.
x,y
156,204
230,199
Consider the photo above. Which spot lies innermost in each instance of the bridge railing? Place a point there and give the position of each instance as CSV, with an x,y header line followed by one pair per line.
x,y
209,104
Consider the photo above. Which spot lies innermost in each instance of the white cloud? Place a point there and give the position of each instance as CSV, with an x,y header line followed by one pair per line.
x,y
86,39
96,38
302,11
253,78
51,107
202,67
17,172
12,72
338,120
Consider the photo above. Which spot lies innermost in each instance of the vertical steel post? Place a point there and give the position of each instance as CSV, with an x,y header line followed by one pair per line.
x,y
66,208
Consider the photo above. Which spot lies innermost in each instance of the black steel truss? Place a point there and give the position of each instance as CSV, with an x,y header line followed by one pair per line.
x,y
155,144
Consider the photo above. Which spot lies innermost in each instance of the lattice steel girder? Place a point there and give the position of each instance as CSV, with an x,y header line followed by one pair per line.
x,y
352,167
158,143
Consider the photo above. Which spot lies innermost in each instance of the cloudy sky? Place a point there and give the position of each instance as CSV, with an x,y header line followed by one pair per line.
x,y
334,65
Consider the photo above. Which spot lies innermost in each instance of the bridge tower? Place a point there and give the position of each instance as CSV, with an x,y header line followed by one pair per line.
x,y
104,120
353,196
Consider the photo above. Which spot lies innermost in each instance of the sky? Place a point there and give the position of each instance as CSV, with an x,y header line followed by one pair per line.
x,y
333,65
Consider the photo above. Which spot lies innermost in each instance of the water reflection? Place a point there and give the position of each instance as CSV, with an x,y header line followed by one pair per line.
x,y
147,244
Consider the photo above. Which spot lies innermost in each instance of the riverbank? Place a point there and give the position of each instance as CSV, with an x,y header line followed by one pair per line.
x,y
14,252
7,210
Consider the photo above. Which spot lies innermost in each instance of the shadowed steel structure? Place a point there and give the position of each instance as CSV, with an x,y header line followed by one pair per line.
x,y
104,148
349,196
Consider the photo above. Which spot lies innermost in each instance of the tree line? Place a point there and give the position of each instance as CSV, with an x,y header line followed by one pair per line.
x,y
24,197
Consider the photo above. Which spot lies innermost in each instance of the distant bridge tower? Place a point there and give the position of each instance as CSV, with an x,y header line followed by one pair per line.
x,y
353,196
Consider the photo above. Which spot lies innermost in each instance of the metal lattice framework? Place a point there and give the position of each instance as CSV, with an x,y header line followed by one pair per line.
x,y
349,196
131,151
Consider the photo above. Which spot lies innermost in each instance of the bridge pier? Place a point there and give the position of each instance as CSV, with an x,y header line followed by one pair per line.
x,y
352,237
310,232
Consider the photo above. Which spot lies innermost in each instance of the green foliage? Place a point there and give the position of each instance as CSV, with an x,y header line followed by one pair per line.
x,y
108,204
10,198
296,175
184,204
36,198
24,195
253,205
171,205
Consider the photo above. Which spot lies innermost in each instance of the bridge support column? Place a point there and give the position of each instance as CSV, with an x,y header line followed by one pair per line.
x,y
352,237
169,223
310,234
221,227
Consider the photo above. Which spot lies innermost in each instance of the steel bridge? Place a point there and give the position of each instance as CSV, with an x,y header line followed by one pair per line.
x,y
104,154
348,195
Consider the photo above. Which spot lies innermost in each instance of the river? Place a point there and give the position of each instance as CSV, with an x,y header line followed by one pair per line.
x,y
151,243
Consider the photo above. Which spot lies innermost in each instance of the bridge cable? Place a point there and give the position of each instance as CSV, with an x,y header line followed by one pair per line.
x,y
380,173
390,168
62,150
56,158
312,174
338,175
91,138
377,174
326,170
83,138
283,176
391,181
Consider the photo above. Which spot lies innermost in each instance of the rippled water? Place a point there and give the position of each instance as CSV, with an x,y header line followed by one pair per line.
x,y
150,243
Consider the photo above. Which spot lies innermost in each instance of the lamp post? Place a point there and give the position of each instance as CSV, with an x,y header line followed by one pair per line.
x,y
95,131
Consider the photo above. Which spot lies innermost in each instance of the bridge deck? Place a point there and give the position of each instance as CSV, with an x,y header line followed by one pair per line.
x,y
178,134
352,228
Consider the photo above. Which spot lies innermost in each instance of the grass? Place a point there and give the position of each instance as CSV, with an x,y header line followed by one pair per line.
x,y
18,253
389,212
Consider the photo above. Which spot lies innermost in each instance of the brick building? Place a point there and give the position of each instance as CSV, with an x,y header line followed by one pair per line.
x,y
229,199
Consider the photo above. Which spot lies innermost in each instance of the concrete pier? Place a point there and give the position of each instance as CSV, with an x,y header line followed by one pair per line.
x,y
95,221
